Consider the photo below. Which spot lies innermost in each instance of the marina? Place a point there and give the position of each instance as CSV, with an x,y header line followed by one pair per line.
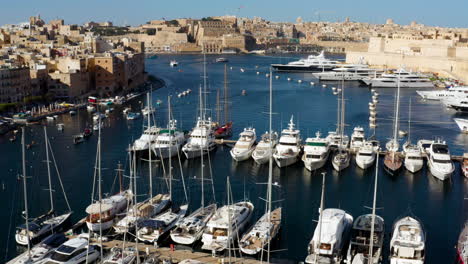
x,y
419,194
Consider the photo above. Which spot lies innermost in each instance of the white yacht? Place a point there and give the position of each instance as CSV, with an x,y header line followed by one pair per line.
x,y
414,159
153,229
201,140
74,251
264,149
316,152
289,146
40,227
142,211
190,229
244,147
310,64
424,145
329,237
408,242
459,104
226,224
357,138
347,72
168,141
359,246
41,250
341,160
103,215
366,155
444,94
264,230
439,160
148,138
335,141
407,80
462,124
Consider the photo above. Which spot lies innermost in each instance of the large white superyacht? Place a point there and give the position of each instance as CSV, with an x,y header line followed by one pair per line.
x,y
347,72
444,94
408,242
289,146
310,64
316,152
407,80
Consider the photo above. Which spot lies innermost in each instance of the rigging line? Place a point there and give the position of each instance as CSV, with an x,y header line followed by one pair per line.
x,y
58,175
13,202
211,176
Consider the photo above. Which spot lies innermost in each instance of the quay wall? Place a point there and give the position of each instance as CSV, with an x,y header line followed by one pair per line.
x,y
444,66
345,46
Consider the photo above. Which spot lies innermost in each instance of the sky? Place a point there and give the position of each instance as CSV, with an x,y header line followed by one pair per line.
x,y
449,13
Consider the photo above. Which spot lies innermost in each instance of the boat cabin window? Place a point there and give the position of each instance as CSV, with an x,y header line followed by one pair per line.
x,y
365,154
360,139
414,158
288,144
310,156
325,246
442,161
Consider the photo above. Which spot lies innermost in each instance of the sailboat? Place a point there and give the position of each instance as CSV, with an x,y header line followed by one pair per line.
x,y
150,133
38,228
330,235
41,250
104,212
367,235
342,158
154,229
268,226
289,146
413,154
224,129
148,110
392,160
226,224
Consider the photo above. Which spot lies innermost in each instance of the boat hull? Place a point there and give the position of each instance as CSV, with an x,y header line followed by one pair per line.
x,y
365,163
413,167
163,153
285,161
315,165
63,221
441,175
241,156
191,153
311,68
96,227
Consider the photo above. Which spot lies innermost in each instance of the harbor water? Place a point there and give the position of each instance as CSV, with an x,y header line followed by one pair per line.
x,y
439,205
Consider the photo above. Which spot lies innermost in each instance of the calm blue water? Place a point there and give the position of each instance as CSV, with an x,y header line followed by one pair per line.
x,y
438,204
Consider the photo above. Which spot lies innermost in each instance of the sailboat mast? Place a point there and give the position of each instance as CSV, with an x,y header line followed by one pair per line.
x,y
229,216
317,244
204,86
226,104
270,166
149,149
135,203
25,191
342,112
409,122
218,107
99,187
48,170
170,145
371,245
397,110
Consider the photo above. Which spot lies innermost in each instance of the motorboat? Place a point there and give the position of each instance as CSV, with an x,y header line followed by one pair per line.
x,y
464,165
77,139
341,159
459,104
316,152
347,72
289,146
264,149
169,141
201,140
244,147
359,246
414,159
101,216
74,251
407,244
147,139
330,236
450,93
173,63
142,211
357,138
226,225
152,230
264,230
425,145
41,250
222,59
366,155
406,78
60,126
462,246
439,160
313,63
190,229
462,124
